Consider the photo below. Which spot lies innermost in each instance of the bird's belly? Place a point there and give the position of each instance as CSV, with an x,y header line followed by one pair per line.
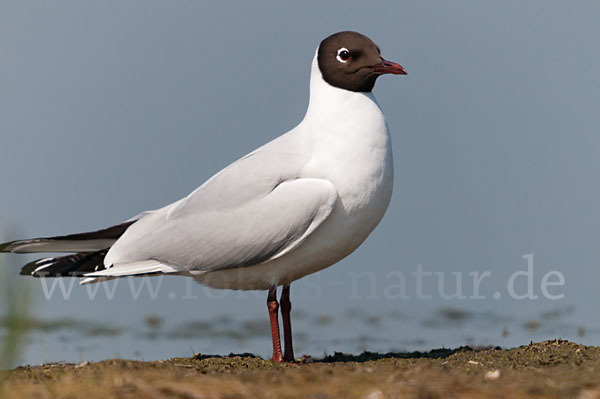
x,y
362,202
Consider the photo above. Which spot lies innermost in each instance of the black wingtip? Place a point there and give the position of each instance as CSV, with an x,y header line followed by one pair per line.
x,y
44,244
28,269
74,265
4,247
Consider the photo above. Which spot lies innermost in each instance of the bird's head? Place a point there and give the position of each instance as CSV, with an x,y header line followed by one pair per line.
x,y
351,61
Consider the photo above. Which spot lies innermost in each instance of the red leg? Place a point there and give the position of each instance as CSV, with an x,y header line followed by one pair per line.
x,y
286,307
273,307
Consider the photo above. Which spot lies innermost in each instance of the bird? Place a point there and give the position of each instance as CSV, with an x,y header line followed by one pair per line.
x,y
294,206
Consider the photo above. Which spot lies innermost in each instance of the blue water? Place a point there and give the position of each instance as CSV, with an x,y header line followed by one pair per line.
x,y
332,311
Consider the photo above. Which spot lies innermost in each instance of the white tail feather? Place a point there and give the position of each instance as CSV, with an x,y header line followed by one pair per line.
x,y
128,269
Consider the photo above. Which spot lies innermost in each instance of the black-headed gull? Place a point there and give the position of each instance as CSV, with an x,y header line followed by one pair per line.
x,y
296,205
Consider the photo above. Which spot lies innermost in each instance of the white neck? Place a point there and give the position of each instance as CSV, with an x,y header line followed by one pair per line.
x,y
327,101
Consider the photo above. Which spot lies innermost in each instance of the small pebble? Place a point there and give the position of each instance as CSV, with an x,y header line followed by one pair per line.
x,y
375,395
82,364
492,375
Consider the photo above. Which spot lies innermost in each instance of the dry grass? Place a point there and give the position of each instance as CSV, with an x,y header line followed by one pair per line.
x,y
552,369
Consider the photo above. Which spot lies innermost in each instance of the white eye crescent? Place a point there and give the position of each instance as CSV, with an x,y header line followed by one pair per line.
x,y
343,55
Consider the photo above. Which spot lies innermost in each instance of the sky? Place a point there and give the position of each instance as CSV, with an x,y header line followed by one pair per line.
x,y
111,108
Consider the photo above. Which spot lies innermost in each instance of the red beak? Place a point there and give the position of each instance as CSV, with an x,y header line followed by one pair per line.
x,y
389,67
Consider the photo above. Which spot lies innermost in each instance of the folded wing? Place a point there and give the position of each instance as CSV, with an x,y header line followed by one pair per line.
x,y
189,236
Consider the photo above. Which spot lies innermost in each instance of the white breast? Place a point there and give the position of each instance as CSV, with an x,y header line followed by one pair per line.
x,y
348,140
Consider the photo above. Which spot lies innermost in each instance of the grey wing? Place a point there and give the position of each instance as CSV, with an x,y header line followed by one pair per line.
x,y
245,215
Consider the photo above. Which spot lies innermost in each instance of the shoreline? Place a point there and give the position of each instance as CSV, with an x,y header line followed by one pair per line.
x,y
548,369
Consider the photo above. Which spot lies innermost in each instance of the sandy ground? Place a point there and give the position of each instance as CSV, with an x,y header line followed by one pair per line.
x,y
550,369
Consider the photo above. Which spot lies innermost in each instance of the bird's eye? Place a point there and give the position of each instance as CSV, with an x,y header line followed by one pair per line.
x,y
343,55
